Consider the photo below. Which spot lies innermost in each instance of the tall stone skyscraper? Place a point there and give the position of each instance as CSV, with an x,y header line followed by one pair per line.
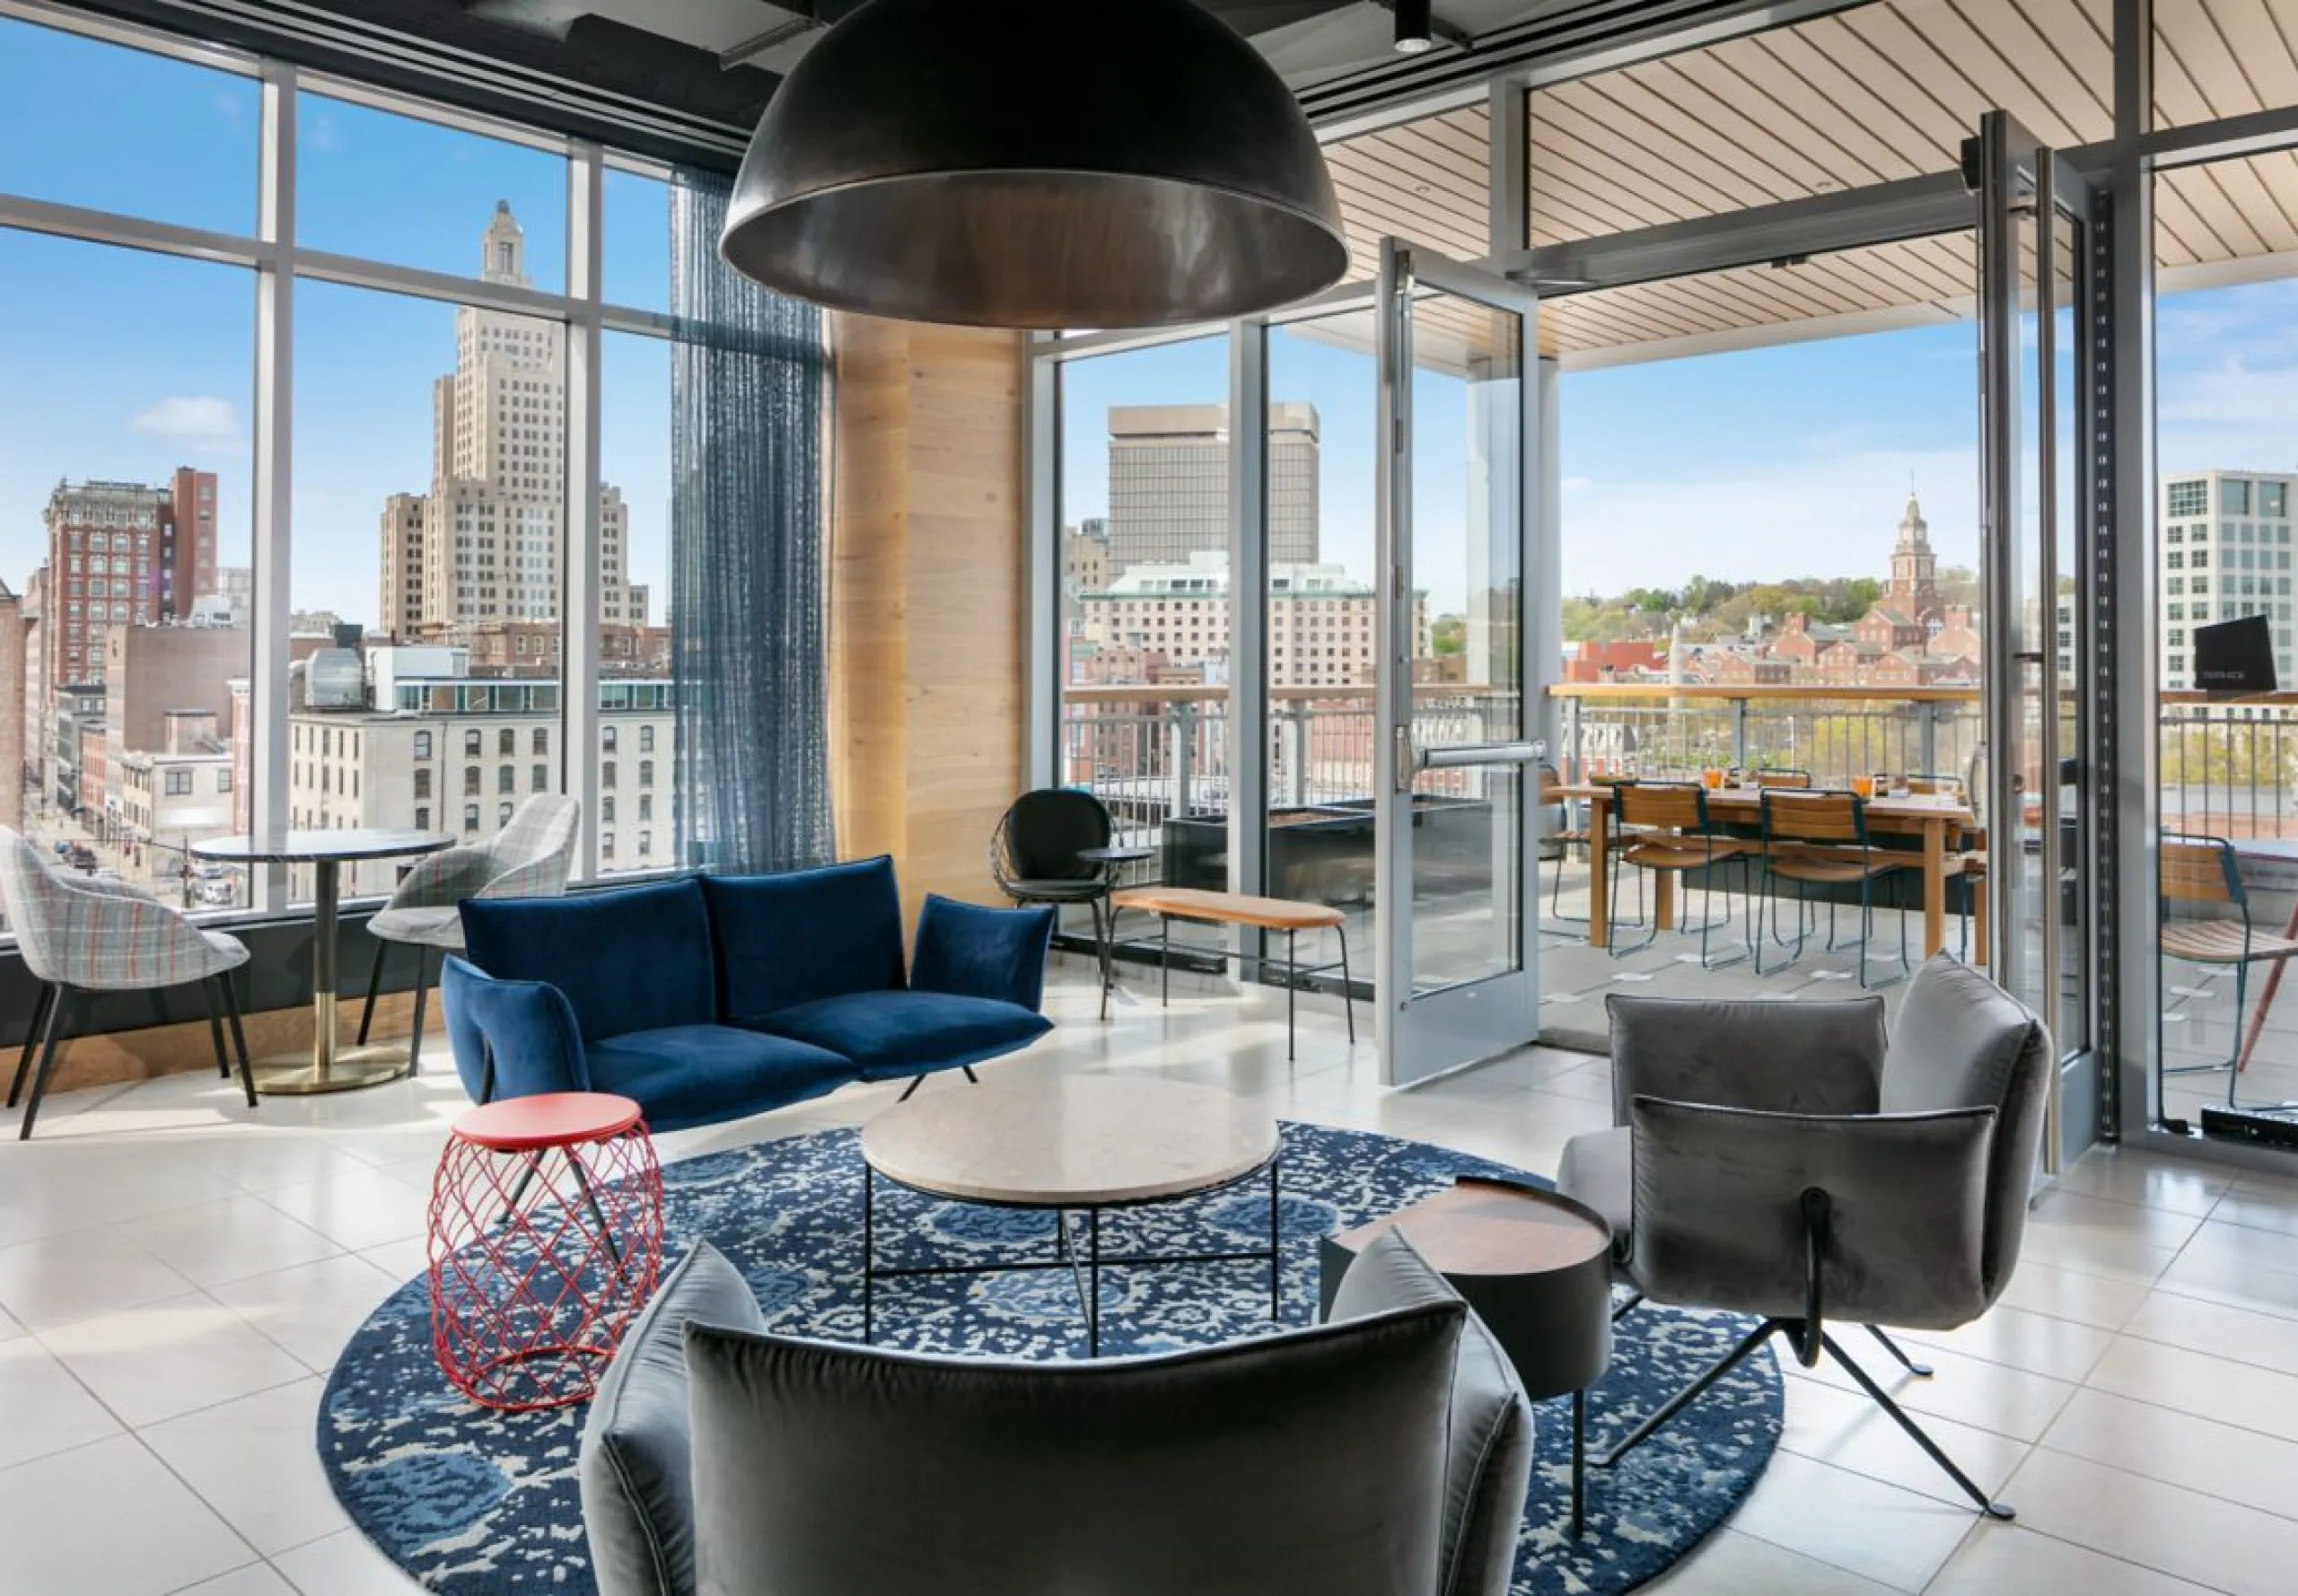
x,y
485,545
1168,483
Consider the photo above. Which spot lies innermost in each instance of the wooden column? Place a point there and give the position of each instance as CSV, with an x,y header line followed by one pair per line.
x,y
927,666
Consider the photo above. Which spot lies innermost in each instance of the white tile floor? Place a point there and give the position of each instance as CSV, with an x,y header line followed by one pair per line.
x,y
176,1275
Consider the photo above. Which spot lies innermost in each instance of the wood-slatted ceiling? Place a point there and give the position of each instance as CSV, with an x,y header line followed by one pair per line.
x,y
1879,92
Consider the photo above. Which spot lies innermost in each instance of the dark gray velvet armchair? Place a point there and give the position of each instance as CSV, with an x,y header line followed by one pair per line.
x,y
1784,1160
1385,1453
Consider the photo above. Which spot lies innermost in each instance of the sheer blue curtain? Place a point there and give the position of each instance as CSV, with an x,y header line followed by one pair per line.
x,y
748,537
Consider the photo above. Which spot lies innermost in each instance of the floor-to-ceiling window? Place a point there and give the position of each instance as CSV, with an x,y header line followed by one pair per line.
x,y
125,480
1142,639
389,642
2221,554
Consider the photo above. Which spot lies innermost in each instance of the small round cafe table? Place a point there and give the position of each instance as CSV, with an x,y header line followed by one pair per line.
x,y
326,1067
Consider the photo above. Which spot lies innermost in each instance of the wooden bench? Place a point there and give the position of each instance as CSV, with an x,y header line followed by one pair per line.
x,y
1238,908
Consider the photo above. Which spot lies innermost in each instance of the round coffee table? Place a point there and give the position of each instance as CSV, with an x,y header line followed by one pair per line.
x,y
1536,1267
1065,1143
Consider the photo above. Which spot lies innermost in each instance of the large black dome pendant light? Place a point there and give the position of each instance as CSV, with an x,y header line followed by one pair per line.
x,y
1036,164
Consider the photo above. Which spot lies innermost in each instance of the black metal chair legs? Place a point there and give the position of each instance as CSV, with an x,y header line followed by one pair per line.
x,y
57,1006
422,993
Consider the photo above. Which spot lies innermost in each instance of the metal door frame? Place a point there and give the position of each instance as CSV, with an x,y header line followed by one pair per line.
x,y
2021,182
1421,1035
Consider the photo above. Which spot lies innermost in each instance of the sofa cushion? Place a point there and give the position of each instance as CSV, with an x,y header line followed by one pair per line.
x,y
636,958
636,1465
809,933
973,952
903,1034
699,1075
1306,1462
1489,1464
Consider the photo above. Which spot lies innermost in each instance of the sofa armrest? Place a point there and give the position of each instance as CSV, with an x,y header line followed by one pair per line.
x,y
1720,1217
1779,1057
971,951
510,1039
636,1466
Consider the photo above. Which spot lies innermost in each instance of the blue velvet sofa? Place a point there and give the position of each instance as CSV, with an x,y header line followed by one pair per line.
x,y
712,997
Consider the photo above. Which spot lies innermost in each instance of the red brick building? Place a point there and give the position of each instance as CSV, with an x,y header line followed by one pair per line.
x,y
122,554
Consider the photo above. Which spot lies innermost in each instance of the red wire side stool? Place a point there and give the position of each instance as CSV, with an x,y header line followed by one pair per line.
x,y
546,1239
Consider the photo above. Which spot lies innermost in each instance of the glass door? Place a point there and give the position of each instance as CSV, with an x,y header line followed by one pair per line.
x,y
1454,762
2038,493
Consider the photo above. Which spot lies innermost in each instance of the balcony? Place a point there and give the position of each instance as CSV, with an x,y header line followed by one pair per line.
x,y
1158,757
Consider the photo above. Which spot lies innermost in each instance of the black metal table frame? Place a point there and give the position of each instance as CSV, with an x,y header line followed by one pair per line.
x,y
1295,971
1087,1272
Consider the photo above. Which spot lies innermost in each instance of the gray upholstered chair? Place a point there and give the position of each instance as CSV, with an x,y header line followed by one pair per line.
x,y
79,936
1385,1453
1784,1160
528,858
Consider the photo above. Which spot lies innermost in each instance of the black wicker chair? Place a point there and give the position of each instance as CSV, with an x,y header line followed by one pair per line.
x,y
1033,854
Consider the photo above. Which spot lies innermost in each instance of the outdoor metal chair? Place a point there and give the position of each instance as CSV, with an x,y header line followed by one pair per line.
x,y
2203,874
1664,826
1820,839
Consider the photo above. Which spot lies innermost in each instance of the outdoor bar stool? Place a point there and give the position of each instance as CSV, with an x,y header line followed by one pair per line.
x,y
1819,838
1664,826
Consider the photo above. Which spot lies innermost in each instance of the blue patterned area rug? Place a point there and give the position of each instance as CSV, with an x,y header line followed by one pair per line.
x,y
473,1502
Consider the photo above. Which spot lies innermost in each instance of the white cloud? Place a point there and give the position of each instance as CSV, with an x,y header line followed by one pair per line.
x,y
203,418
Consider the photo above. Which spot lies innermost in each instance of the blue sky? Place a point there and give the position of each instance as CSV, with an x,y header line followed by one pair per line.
x,y
1790,461
120,364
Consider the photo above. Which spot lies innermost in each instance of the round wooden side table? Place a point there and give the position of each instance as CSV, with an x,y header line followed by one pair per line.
x,y
1536,1267
546,1240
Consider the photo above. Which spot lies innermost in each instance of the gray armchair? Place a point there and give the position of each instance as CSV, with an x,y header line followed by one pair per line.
x,y
528,858
81,936
1385,1453
1783,1159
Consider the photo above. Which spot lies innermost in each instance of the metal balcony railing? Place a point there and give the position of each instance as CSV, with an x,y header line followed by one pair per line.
x,y
1155,753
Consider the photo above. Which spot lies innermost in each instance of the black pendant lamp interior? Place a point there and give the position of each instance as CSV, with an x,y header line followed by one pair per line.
x,y
1036,164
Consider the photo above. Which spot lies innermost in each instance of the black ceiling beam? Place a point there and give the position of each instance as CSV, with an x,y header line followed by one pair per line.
x,y
621,86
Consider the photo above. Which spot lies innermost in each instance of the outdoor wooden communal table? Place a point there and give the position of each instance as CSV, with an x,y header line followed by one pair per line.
x,y
1238,909
1064,1141
1534,1265
328,1068
1933,821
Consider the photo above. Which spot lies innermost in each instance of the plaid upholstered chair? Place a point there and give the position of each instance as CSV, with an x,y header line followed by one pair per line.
x,y
82,936
528,858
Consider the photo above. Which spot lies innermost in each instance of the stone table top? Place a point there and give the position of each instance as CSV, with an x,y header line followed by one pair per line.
x,y
1045,1140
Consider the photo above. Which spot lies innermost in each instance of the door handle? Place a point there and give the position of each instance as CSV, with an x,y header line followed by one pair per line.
x,y
1465,754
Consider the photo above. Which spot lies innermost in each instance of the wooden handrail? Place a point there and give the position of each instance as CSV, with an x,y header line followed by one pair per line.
x,y
1624,692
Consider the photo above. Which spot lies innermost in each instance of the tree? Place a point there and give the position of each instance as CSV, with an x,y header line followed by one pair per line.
x,y
1651,600
1447,634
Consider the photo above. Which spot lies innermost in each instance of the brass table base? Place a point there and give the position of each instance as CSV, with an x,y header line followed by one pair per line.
x,y
293,1075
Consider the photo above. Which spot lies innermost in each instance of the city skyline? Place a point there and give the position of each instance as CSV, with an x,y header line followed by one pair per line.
x,y
137,363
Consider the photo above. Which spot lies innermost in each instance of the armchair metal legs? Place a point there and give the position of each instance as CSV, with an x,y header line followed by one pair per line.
x,y
51,1033
1798,1330
1808,1337
422,992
